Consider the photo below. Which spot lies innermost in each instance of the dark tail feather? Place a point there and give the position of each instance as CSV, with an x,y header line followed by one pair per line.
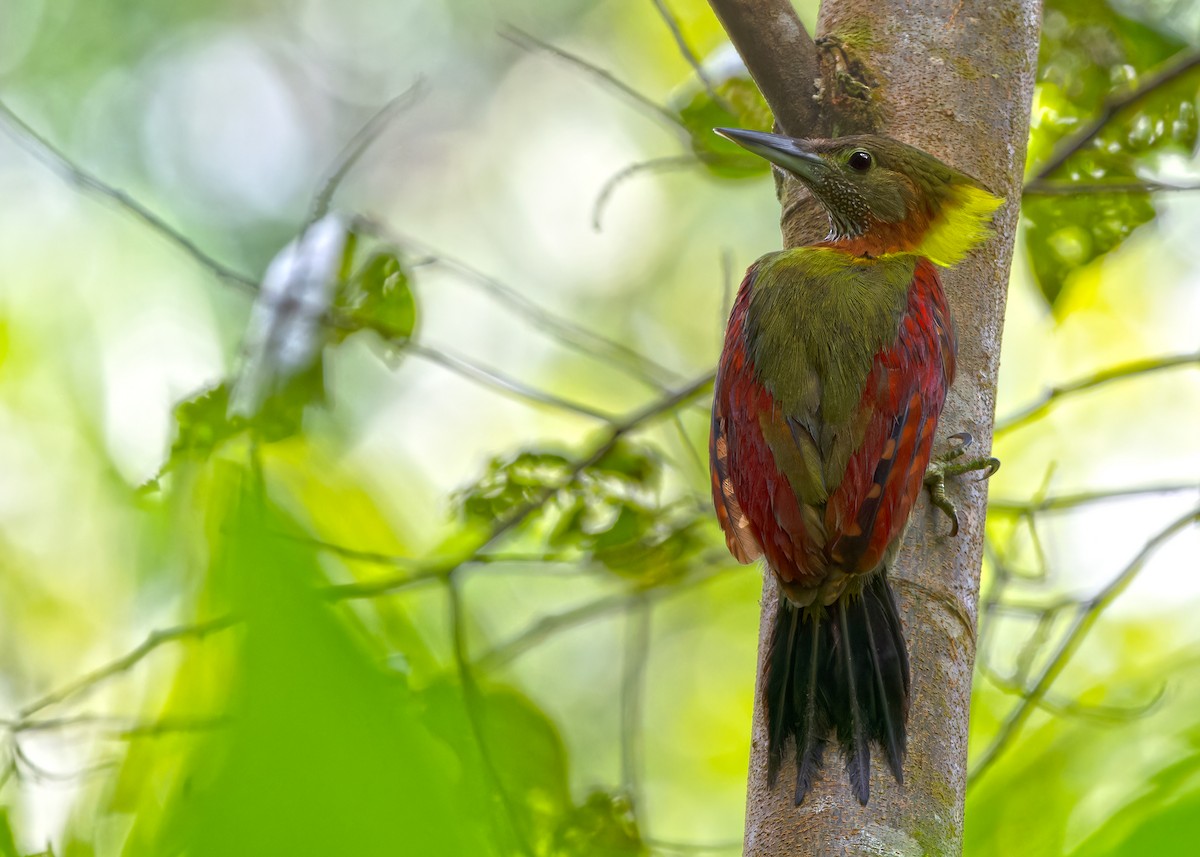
x,y
795,704
842,669
890,668
854,700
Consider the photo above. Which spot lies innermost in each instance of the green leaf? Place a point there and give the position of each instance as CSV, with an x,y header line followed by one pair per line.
x,y
568,531
380,298
326,752
1163,820
603,826
8,843
631,463
1090,53
510,483
525,753
202,423
738,104
1064,233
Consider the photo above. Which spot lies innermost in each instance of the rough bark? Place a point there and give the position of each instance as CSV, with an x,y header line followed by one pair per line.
x,y
954,77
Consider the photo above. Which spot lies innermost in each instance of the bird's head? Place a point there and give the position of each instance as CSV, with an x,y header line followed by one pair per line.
x,y
883,196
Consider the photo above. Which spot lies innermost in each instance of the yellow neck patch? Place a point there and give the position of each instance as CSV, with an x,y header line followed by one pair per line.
x,y
963,223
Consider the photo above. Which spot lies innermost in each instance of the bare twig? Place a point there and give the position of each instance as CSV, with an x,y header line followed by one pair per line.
x,y
1116,373
1169,71
419,574
358,145
728,285
389,585
1048,187
157,639
1089,612
504,653
689,55
473,702
780,55
654,165
502,383
564,330
528,42
1074,708
53,157
1085,498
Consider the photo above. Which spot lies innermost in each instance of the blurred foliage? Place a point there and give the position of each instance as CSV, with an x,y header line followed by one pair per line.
x,y
353,656
1090,56
732,102
379,298
606,511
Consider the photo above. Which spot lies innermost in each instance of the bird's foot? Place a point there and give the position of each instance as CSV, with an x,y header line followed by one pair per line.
x,y
948,464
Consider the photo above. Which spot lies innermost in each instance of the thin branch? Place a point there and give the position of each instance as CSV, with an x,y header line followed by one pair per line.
x,y
654,165
693,457
422,565
1085,498
10,771
53,157
689,55
1166,73
121,728
503,384
528,42
505,653
633,681
1088,614
1049,187
655,410
368,589
389,585
564,330
473,702
728,284
1116,373
780,55
157,639
358,145
1074,708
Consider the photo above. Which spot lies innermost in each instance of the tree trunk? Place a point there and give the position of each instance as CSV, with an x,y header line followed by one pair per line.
x,y
955,78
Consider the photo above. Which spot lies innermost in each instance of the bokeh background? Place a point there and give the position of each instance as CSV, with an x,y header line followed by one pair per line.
x,y
438,594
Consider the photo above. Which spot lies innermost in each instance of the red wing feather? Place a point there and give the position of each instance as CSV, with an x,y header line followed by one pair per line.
x,y
904,395
724,440
870,506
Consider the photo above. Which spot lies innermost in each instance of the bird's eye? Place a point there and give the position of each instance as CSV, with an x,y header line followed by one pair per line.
x,y
860,160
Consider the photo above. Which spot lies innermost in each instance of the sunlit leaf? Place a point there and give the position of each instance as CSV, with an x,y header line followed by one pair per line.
x,y
1163,820
380,298
511,482
326,752
603,826
630,462
738,104
202,423
1064,233
733,101
1090,54
8,844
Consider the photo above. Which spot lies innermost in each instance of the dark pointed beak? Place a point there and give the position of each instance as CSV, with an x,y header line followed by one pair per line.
x,y
791,154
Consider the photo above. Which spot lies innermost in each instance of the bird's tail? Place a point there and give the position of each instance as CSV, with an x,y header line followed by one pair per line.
x,y
840,669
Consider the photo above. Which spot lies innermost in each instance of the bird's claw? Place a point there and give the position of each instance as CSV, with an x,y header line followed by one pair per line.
x,y
946,465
